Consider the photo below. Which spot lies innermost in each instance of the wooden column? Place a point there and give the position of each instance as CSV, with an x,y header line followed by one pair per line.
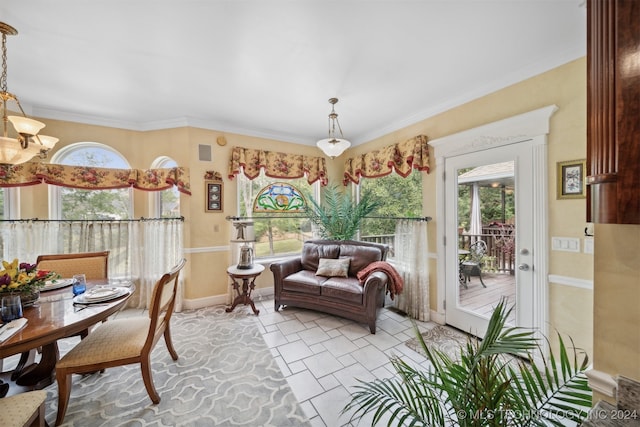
x,y
613,111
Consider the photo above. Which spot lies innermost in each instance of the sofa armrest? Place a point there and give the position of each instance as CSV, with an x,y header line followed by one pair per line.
x,y
282,269
375,283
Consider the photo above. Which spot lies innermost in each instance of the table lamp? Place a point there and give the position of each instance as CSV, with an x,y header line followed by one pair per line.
x,y
245,235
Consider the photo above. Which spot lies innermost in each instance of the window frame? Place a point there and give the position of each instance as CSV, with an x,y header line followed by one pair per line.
x,y
55,191
155,197
315,191
11,203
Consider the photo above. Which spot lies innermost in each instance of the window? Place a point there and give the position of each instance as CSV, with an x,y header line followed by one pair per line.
x,y
72,203
9,203
398,197
280,233
166,203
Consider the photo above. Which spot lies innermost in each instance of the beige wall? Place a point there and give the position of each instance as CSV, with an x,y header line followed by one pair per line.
x,y
616,327
208,250
565,87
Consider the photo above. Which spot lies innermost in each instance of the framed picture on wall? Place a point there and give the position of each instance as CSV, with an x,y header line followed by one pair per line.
x,y
213,196
571,179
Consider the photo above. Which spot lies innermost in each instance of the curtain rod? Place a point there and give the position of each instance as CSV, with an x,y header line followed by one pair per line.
x,y
141,219
239,218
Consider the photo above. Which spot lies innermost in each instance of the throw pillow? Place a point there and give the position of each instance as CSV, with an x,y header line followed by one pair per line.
x,y
330,267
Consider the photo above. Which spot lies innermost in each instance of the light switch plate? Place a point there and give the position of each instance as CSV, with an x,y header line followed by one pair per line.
x,y
588,245
567,244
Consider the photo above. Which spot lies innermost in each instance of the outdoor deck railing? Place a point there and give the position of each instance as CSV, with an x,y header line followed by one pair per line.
x,y
496,260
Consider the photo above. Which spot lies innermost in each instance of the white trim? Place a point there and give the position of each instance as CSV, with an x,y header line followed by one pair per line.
x,y
207,249
11,202
194,304
437,317
540,255
529,127
571,281
496,134
602,382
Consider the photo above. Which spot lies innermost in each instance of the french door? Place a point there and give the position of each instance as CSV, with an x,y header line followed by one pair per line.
x,y
489,209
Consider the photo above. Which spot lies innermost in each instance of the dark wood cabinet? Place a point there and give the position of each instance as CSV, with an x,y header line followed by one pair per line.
x,y
613,111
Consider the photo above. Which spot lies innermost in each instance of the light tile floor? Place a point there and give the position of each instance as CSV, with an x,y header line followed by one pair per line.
x,y
323,356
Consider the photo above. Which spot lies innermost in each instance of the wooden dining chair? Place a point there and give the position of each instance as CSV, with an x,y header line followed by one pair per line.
x,y
94,265
24,409
123,342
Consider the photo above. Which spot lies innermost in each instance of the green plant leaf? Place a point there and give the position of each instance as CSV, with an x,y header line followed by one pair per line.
x,y
338,217
493,382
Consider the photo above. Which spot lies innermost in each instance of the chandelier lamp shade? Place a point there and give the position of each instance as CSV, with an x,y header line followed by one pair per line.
x,y
333,146
26,143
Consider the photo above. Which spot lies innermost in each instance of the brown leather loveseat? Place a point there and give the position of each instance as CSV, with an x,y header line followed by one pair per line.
x,y
324,278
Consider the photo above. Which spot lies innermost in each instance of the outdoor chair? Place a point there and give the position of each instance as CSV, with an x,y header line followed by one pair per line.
x,y
122,342
472,265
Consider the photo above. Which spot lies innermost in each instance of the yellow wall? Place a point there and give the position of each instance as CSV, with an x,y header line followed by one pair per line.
x,y
616,327
565,87
209,252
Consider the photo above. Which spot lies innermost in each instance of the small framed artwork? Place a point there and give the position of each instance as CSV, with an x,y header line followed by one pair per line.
x,y
571,179
213,196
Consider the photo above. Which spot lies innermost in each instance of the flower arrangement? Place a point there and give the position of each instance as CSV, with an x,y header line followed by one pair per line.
x,y
22,277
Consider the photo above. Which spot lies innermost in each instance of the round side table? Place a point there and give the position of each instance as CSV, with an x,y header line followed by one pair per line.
x,y
248,277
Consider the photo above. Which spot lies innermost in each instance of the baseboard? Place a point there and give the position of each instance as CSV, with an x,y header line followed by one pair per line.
x,y
602,382
194,304
438,318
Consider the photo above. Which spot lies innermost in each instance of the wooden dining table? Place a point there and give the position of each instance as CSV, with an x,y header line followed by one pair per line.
x,y
55,316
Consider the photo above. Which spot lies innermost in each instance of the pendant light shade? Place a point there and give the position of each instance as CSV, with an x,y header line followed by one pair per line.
x,y
27,144
333,146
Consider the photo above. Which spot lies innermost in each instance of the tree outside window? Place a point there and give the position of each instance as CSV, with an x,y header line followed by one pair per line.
x,y
398,197
73,203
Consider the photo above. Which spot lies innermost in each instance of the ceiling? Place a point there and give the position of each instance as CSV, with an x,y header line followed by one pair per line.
x,y
267,68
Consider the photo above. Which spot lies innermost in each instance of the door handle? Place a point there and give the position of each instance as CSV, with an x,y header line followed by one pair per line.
x,y
523,267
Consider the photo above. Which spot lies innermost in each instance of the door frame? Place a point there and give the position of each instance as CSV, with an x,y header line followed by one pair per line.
x,y
531,128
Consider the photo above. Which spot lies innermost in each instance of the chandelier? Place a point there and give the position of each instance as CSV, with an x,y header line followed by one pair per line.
x,y
333,146
27,143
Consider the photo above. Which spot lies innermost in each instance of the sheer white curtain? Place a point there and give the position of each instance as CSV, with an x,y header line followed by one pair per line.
x,y
411,259
160,250
138,250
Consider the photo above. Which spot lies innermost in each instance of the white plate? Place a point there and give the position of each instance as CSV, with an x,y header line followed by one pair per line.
x,y
100,295
56,284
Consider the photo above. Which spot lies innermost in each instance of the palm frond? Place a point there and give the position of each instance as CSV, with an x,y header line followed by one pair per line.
x,y
493,382
338,216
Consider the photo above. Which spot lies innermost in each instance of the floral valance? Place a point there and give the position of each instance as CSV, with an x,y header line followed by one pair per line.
x,y
94,178
277,165
401,157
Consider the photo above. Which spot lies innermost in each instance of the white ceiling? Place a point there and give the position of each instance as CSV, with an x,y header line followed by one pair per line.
x,y
267,68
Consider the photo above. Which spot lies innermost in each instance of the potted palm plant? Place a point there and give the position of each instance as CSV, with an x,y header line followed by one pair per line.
x,y
339,217
493,382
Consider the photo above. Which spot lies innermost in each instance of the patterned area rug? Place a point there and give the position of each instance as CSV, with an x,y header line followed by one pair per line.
x,y
446,339
225,376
